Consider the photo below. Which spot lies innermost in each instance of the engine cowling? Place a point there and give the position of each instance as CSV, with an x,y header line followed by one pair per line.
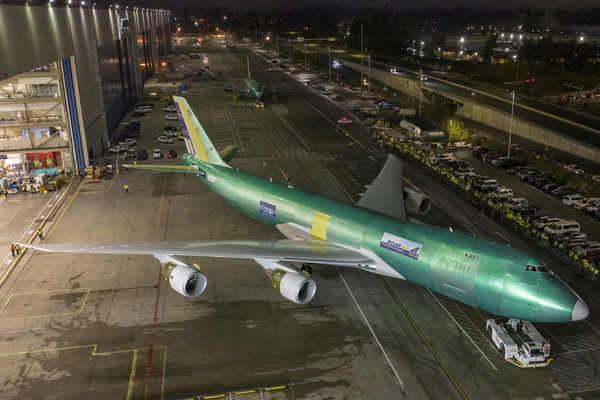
x,y
295,287
416,202
185,280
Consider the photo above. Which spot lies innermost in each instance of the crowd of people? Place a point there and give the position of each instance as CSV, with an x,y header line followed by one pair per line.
x,y
492,206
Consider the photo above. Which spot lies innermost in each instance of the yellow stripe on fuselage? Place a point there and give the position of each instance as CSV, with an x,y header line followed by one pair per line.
x,y
191,128
319,226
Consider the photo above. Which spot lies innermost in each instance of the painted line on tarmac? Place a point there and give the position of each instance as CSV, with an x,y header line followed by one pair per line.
x,y
339,185
423,338
362,314
462,330
132,375
30,231
153,332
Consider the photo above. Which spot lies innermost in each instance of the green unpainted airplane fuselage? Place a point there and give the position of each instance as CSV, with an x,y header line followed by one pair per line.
x,y
487,275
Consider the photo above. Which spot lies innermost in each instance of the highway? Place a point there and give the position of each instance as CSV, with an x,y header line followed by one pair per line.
x,y
579,126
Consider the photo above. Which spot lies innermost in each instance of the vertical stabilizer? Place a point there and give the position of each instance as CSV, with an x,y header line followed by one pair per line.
x,y
196,140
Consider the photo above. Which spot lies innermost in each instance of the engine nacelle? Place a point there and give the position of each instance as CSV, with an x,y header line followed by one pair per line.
x,y
416,202
294,286
185,280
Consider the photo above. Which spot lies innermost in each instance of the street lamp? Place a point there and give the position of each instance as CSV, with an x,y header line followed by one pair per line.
x,y
420,91
268,42
369,86
329,50
512,111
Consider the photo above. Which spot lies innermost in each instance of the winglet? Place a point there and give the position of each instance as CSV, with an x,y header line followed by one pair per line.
x,y
196,140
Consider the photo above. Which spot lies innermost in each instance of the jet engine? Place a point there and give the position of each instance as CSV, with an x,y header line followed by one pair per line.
x,y
294,286
416,202
185,280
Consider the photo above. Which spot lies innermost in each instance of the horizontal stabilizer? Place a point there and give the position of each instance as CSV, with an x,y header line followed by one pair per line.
x,y
307,251
228,153
385,194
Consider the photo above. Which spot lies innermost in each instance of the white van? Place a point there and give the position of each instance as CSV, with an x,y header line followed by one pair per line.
x,y
143,109
559,228
489,184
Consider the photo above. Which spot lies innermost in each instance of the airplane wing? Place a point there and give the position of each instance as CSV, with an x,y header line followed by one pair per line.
x,y
307,251
164,168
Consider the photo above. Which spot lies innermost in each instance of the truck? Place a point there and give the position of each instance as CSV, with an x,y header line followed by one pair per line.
x,y
519,343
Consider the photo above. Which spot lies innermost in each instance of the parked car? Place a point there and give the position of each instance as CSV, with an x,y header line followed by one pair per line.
x,y
591,208
560,228
436,158
171,117
171,153
584,202
574,242
574,234
165,139
117,149
499,160
544,220
488,185
130,142
141,154
502,193
529,211
142,109
562,191
157,154
549,187
517,203
170,134
344,120
570,199
170,128
489,156
576,169
170,109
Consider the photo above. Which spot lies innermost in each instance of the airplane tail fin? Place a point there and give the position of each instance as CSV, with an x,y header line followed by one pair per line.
x,y
196,140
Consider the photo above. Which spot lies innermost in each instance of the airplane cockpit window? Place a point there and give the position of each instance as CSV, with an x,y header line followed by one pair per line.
x,y
539,268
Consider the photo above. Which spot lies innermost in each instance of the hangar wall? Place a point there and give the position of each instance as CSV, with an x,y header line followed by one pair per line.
x,y
109,65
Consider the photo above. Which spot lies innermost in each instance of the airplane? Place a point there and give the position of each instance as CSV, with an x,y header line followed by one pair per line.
x,y
252,87
375,236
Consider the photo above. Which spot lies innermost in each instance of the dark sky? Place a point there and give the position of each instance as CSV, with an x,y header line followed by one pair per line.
x,y
261,5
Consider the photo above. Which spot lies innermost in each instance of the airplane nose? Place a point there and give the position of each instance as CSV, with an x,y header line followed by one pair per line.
x,y
580,311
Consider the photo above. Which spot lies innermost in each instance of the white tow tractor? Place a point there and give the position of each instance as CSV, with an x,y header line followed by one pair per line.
x,y
520,343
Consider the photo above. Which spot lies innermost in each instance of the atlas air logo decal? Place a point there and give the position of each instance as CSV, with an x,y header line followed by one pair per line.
x,y
267,209
400,245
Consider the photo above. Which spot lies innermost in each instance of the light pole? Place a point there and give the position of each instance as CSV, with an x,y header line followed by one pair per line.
x,y
369,85
362,78
329,49
512,111
420,81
